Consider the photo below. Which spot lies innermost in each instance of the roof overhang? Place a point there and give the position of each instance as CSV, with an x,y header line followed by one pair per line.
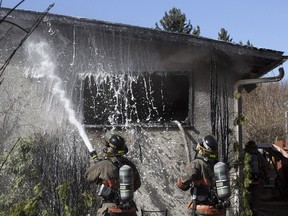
x,y
244,62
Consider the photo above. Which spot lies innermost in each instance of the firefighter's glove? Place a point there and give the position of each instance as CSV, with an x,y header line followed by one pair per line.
x,y
94,156
182,186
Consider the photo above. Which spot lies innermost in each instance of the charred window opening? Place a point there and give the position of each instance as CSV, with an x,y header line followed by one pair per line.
x,y
147,99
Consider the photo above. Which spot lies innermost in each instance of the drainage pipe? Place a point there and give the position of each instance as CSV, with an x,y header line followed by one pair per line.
x,y
238,111
238,99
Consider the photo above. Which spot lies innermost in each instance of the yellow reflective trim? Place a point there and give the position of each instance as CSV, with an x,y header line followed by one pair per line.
x,y
121,151
112,146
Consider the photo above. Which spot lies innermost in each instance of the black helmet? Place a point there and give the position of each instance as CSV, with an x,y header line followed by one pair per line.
x,y
250,146
209,142
115,146
208,147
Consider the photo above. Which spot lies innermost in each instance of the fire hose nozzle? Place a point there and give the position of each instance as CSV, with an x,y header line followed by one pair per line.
x,y
94,155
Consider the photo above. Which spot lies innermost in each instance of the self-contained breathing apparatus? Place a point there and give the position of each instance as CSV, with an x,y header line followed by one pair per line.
x,y
118,191
123,193
222,186
218,197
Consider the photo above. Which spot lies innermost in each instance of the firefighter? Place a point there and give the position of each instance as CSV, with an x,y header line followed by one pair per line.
x,y
259,173
198,176
106,174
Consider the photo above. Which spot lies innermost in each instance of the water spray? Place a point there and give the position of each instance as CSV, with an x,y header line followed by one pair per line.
x,y
45,67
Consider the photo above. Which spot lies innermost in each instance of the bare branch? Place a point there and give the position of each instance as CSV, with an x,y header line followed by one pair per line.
x,y
9,153
265,109
34,26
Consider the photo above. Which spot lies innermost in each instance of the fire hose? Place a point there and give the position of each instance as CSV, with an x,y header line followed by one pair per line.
x,y
184,137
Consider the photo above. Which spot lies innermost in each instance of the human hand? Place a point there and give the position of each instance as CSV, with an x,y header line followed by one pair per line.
x,y
94,155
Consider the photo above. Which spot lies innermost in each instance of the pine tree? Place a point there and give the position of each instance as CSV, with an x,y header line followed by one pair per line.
x,y
175,21
249,43
223,35
196,31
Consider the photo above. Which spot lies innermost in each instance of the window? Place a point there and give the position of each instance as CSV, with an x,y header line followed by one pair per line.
x,y
147,99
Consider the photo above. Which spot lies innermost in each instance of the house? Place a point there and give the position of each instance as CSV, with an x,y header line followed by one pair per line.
x,y
126,79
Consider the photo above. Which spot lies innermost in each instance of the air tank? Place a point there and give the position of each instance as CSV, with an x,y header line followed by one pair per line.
x,y
222,180
126,177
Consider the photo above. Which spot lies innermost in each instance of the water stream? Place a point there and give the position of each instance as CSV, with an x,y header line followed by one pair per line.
x,y
43,67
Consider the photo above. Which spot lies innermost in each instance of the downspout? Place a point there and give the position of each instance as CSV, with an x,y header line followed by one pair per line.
x,y
238,110
238,98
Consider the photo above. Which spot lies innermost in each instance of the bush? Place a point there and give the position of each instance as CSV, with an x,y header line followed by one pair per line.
x,y
41,180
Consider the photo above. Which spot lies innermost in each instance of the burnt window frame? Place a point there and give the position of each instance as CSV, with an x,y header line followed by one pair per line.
x,y
151,124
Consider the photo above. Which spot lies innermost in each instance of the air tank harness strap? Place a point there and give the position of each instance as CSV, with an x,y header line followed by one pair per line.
x,y
108,191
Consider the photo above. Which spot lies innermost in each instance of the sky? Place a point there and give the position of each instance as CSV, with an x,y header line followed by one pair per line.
x,y
262,22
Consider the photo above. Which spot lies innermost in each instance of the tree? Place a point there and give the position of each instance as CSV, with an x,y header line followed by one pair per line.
x,y
223,35
265,109
196,31
175,21
248,43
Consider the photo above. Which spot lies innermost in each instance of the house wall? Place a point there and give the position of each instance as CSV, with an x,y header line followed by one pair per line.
x,y
46,71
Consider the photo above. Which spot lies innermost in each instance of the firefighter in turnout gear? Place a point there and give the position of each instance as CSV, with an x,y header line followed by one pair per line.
x,y
117,177
259,173
198,176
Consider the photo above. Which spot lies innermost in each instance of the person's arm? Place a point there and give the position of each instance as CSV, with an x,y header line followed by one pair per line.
x,y
264,167
92,174
183,185
101,171
187,176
